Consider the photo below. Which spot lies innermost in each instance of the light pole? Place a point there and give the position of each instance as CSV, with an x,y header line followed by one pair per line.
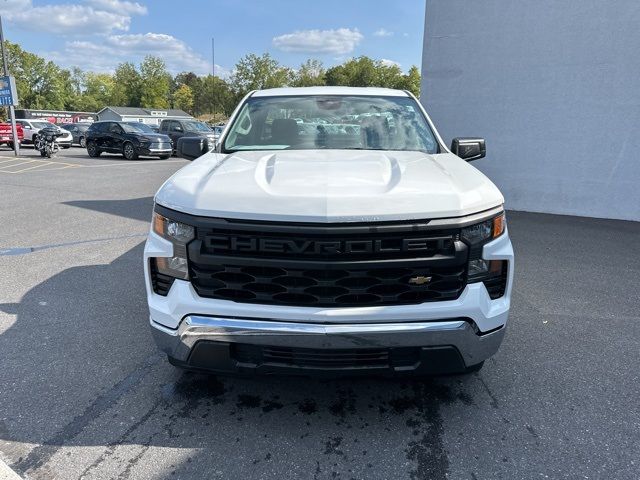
x,y
12,115
213,78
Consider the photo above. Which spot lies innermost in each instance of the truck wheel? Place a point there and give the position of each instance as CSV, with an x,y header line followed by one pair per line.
x,y
92,150
129,151
83,142
10,145
34,140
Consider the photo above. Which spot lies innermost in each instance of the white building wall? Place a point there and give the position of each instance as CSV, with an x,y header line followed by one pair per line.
x,y
553,86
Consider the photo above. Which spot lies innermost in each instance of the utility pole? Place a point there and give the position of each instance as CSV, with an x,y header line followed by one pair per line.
x,y
213,79
12,113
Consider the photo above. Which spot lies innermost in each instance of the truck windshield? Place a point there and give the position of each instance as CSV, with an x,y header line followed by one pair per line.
x,y
192,126
330,122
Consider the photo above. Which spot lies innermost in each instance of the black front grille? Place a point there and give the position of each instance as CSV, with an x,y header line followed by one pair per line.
x,y
325,358
323,287
326,265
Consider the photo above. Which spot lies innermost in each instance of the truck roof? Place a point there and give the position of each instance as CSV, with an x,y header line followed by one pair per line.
x,y
296,91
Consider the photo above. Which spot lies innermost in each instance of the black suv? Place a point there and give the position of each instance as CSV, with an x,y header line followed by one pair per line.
x,y
186,128
131,139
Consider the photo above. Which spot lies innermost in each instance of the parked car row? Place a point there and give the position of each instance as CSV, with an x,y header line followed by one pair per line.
x,y
31,129
130,139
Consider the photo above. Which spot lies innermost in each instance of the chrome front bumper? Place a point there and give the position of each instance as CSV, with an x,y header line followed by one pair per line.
x,y
458,333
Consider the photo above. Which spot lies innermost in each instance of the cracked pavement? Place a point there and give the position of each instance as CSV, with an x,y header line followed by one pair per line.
x,y
85,394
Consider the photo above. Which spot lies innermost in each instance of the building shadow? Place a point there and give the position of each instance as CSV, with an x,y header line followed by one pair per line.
x,y
135,208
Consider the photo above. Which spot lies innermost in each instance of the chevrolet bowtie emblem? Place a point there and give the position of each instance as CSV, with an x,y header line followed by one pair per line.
x,y
419,280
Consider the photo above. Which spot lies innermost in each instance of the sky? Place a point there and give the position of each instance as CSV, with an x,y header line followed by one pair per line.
x,y
97,35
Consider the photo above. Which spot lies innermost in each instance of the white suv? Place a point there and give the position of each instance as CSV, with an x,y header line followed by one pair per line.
x,y
330,231
32,127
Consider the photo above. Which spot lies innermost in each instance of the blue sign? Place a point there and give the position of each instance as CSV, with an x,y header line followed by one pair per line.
x,y
8,94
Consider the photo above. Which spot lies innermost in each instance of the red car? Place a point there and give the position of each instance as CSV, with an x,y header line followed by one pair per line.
x,y
6,136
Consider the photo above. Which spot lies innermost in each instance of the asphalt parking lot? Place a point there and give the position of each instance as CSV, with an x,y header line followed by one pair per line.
x,y
85,394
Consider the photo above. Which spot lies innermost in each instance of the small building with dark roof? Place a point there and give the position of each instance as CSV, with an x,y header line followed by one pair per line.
x,y
150,116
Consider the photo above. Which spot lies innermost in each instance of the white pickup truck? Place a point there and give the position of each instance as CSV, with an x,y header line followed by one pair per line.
x,y
329,231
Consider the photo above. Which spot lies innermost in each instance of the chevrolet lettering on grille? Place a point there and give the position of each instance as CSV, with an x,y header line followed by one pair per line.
x,y
316,247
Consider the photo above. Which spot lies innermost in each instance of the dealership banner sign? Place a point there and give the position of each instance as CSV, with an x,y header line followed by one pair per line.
x,y
56,116
8,93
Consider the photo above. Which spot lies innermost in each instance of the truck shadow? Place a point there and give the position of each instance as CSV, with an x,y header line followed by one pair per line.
x,y
81,369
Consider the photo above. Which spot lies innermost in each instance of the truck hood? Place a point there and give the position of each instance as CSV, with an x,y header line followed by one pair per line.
x,y
329,186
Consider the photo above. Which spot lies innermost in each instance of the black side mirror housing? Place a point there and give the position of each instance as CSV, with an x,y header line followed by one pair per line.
x,y
468,148
191,148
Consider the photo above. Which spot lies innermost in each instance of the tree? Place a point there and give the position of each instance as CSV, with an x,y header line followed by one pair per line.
x,y
255,73
183,98
366,72
310,74
411,81
42,84
127,86
192,81
98,92
156,82
357,72
37,81
70,89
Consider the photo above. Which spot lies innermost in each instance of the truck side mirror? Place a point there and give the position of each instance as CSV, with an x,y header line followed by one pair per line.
x,y
469,148
191,148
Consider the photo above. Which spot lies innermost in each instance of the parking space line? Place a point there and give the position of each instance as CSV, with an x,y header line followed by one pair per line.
x,y
40,165
15,165
45,169
35,166
9,160
129,164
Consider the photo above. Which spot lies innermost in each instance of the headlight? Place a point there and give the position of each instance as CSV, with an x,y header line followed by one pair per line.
x,y
482,232
493,273
179,234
